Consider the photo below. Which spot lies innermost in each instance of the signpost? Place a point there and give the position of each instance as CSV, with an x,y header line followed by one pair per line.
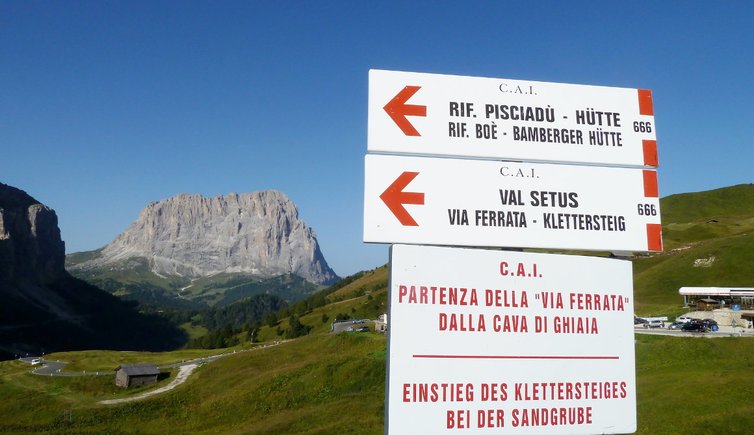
x,y
504,204
510,342
432,114
501,341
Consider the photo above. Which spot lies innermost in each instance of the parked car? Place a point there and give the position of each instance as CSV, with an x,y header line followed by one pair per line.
x,y
676,325
639,321
710,324
654,324
694,326
683,319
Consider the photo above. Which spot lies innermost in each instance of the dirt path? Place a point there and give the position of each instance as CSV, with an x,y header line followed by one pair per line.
x,y
183,374
184,370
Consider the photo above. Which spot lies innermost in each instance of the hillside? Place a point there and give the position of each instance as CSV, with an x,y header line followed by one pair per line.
x,y
715,226
733,201
323,383
317,384
133,281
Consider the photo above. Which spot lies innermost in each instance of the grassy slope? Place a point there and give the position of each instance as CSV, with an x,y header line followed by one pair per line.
x,y
33,403
718,223
658,278
108,360
694,385
351,299
335,384
712,204
317,384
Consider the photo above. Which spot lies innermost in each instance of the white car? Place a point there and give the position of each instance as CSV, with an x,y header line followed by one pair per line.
x,y
36,361
684,319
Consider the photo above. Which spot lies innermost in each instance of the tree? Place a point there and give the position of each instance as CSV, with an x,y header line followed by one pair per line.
x,y
296,328
271,319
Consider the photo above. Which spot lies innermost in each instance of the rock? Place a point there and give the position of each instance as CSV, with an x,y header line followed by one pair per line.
x,y
43,308
193,236
30,246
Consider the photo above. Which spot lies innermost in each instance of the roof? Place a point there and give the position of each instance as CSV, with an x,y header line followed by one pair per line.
x,y
715,291
139,369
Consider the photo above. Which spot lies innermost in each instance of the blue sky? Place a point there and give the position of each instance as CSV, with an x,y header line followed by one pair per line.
x,y
106,106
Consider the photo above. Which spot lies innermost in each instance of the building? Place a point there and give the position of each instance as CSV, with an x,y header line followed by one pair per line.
x,y
381,324
136,375
706,298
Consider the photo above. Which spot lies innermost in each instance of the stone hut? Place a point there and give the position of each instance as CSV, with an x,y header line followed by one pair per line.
x,y
136,375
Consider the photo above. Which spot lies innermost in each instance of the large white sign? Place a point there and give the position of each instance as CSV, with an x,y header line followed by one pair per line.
x,y
484,341
432,201
432,114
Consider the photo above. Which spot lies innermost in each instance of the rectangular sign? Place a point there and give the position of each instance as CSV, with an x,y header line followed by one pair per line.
x,y
435,201
433,114
484,341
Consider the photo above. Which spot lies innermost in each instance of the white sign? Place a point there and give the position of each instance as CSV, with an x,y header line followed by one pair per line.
x,y
433,201
484,341
432,114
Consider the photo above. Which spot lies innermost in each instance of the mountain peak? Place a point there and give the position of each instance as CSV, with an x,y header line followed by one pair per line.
x,y
194,236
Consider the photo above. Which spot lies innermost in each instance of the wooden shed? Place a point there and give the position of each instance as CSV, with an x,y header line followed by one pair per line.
x,y
707,304
136,375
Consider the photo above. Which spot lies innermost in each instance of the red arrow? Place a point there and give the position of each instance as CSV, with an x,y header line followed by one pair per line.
x,y
394,198
397,109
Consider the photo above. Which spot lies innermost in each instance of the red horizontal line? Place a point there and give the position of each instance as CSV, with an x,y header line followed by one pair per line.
x,y
579,357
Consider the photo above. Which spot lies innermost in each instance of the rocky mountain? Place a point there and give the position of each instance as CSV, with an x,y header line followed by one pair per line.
x,y
41,305
31,251
178,244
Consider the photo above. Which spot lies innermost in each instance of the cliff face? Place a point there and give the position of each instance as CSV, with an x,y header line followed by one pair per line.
x,y
30,246
43,308
194,236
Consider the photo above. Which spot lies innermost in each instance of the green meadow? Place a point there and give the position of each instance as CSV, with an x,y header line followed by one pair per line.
x,y
323,383
317,384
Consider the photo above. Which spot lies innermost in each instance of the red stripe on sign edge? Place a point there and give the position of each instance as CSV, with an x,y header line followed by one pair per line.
x,y
558,357
649,147
650,184
645,102
654,237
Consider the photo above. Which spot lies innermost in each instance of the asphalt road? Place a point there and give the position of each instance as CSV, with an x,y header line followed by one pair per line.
x,y
723,332
55,368
351,325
